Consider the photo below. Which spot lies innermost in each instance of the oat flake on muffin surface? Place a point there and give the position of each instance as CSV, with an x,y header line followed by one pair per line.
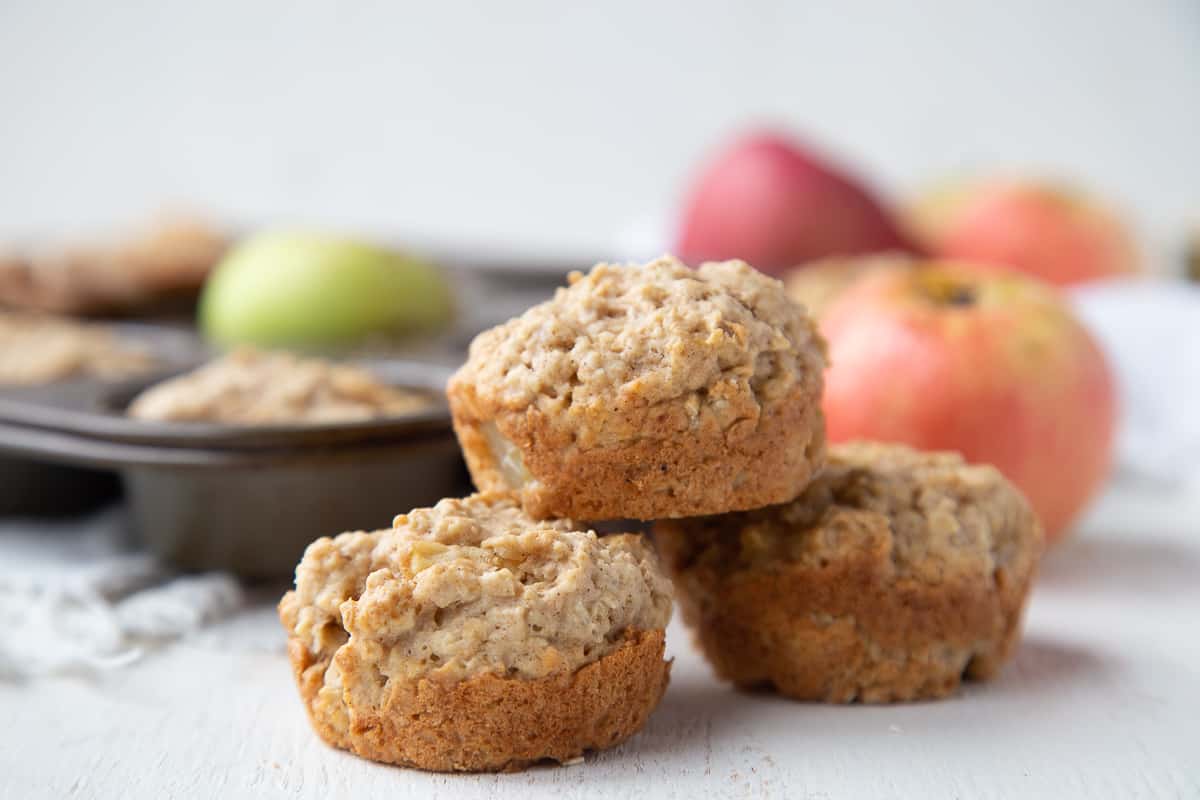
x,y
646,391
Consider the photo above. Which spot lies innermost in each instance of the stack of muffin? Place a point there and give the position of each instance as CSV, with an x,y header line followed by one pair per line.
x,y
493,631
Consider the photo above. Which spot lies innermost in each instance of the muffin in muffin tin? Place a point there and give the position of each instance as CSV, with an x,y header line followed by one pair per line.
x,y
260,387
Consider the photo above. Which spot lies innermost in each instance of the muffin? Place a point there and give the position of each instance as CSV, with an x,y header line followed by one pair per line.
x,y
37,349
470,637
252,387
646,392
166,259
895,574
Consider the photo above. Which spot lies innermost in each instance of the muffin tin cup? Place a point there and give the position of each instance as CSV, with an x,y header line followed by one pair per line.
x,y
255,518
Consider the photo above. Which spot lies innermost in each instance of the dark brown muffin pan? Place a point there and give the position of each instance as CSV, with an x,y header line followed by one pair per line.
x,y
37,485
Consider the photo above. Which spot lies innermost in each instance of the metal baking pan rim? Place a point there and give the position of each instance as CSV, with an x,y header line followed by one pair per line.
x,y
64,448
103,417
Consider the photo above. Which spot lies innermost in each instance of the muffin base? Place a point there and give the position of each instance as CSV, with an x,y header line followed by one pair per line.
x,y
656,476
841,632
487,723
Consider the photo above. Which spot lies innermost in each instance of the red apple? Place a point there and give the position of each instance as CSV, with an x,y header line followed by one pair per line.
x,y
1052,233
950,356
775,204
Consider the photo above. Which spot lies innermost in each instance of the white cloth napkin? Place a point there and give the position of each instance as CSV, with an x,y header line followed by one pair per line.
x,y
72,599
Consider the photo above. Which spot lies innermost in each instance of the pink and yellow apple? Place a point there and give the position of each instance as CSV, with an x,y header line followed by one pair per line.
x,y
1055,234
774,203
818,284
950,356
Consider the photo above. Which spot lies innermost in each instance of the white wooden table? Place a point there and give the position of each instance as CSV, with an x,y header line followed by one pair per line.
x,y
1103,700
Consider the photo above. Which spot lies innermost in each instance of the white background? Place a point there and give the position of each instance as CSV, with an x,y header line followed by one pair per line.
x,y
552,125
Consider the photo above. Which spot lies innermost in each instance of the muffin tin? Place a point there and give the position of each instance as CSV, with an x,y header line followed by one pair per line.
x,y
32,484
211,495
250,498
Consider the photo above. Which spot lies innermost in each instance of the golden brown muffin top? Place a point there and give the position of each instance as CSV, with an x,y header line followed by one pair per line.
x,y
475,586
941,518
634,336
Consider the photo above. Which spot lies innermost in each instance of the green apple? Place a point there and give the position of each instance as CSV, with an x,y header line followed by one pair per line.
x,y
307,289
